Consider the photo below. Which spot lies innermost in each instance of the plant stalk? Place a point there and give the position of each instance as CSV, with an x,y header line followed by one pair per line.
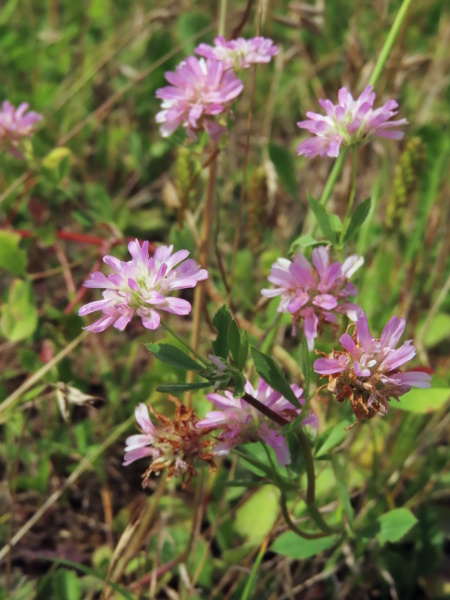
x,y
352,198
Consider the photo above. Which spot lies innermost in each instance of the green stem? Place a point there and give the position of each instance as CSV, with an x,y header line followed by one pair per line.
x,y
389,43
246,594
352,198
333,177
187,346
378,69
320,521
290,523
309,465
222,17
253,461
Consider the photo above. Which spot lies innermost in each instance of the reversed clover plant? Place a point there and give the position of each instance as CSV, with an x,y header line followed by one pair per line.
x,y
252,401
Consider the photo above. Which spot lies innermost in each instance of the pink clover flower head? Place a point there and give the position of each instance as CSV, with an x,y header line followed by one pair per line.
x,y
15,126
174,444
142,286
347,123
243,424
368,372
239,53
198,98
314,294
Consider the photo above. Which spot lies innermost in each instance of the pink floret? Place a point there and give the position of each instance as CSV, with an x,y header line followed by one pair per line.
x,y
239,53
199,98
16,125
347,123
243,424
314,294
142,286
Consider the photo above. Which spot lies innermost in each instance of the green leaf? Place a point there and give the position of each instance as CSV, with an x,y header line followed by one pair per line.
x,y
66,585
323,219
268,369
423,401
330,438
358,218
394,525
305,365
19,315
336,223
12,258
171,355
290,544
238,391
56,165
238,342
296,452
175,388
256,517
437,332
222,321
304,241
284,166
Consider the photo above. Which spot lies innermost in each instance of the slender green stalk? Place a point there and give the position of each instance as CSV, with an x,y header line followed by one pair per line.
x,y
309,463
246,594
222,17
378,69
352,198
320,521
253,461
333,177
389,43
187,346
290,523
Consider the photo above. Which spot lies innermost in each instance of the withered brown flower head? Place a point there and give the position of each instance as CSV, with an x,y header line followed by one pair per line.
x,y
367,371
174,444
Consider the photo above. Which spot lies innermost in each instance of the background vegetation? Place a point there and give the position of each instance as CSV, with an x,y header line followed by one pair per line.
x,y
76,519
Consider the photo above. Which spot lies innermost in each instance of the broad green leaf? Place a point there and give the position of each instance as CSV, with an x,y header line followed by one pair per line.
x,y
171,355
284,166
268,369
394,525
330,438
323,219
336,223
12,258
175,388
358,218
222,321
292,545
238,342
305,365
19,315
256,517
66,585
437,332
423,401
